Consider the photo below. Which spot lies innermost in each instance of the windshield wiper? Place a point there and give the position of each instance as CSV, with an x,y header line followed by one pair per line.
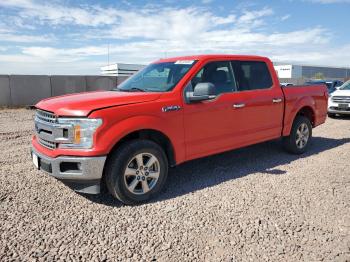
x,y
130,89
136,89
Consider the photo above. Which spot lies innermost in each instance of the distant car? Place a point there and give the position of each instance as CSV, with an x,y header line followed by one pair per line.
x,y
339,101
287,84
332,85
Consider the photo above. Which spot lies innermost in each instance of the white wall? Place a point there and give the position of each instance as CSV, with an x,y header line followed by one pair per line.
x,y
288,71
284,71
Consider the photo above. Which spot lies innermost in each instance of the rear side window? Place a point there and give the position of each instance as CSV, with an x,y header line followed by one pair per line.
x,y
251,75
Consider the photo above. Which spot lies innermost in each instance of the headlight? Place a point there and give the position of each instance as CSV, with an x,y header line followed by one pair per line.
x,y
83,130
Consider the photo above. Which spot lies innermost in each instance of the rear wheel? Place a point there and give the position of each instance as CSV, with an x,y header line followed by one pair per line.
x,y
331,115
299,139
136,171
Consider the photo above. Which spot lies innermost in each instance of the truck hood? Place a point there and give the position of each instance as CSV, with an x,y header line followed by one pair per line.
x,y
83,103
341,93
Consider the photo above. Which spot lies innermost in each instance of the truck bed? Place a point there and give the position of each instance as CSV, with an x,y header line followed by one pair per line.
x,y
295,96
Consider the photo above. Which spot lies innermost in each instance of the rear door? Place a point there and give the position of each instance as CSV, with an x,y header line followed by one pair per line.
x,y
261,100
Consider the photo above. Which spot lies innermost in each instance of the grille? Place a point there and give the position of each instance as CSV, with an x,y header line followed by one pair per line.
x,y
50,119
45,143
341,99
45,116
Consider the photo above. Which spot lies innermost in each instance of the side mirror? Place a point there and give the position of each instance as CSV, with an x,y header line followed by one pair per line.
x,y
202,92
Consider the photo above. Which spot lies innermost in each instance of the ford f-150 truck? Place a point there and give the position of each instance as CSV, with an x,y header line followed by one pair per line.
x,y
172,111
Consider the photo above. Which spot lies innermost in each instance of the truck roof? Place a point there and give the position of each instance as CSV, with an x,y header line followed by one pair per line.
x,y
211,56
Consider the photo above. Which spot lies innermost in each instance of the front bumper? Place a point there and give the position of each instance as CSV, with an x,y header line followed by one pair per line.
x,y
333,108
336,110
83,174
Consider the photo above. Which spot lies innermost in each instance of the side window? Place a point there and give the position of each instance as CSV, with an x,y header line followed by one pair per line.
x,y
252,75
219,74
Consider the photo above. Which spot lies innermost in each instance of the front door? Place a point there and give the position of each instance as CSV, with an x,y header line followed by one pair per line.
x,y
208,125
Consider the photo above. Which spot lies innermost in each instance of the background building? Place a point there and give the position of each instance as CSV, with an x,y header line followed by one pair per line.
x,y
298,74
121,69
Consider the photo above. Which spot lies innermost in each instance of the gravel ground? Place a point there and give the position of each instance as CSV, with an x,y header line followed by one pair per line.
x,y
257,203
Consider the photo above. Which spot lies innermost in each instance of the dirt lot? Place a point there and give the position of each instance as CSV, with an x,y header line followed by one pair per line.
x,y
257,203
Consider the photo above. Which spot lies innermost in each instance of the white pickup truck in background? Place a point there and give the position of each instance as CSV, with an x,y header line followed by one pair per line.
x,y
339,101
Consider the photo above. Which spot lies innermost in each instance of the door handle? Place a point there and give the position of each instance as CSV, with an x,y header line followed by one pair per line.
x,y
238,105
277,100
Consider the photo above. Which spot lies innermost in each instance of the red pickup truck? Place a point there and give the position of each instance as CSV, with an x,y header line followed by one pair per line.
x,y
172,111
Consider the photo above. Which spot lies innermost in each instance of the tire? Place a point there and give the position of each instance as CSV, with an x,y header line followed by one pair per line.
x,y
331,115
299,140
128,171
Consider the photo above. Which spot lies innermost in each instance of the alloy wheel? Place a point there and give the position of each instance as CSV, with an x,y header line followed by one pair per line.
x,y
142,173
302,135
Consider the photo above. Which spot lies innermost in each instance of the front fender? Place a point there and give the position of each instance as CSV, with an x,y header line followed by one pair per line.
x,y
111,135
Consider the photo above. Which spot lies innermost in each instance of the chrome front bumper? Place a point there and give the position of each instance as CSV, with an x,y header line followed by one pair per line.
x,y
83,174
333,107
338,111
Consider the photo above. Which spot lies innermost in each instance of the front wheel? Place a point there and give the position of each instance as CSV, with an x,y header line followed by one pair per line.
x,y
300,136
136,171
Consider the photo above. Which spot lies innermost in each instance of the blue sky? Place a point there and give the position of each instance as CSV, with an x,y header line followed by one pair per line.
x,y
72,37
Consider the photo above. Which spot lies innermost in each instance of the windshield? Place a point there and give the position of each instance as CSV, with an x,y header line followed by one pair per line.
x,y
158,77
345,86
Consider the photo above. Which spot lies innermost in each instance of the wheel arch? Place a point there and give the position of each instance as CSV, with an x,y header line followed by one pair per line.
x,y
304,107
308,112
153,135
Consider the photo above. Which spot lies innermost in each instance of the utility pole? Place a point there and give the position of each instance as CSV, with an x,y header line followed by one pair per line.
x,y
108,55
